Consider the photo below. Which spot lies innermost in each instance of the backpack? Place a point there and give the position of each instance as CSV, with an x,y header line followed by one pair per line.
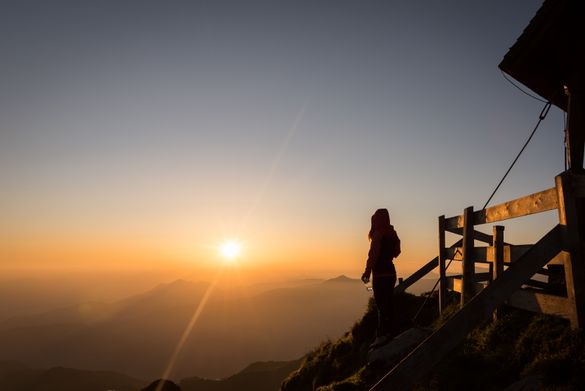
x,y
396,250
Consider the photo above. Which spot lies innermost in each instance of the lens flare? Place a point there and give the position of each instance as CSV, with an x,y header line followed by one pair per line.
x,y
230,249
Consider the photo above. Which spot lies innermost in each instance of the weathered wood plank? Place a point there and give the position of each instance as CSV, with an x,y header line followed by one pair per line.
x,y
487,254
454,222
572,219
544,272
510,255
421,360
482,277
480,254
561,259
513,253
442,269
420,273
575,131
497,251
498,257
540,302
536,284
454,282
455,285
467,264
524,206
477,235
456,254
453,253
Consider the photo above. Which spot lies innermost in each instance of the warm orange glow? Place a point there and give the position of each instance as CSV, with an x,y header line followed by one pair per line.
x,y
230,250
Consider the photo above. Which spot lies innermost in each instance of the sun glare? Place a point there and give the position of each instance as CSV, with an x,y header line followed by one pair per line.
x,y
230,250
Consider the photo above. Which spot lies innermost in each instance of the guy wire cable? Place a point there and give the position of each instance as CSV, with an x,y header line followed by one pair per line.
x,y
541,117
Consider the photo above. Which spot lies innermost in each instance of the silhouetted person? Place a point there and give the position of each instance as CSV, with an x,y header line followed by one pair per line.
x,y
384,246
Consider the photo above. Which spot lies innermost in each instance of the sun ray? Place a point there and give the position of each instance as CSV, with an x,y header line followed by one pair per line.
x,y
188,329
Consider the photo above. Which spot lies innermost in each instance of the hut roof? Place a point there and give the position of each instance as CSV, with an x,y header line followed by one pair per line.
x,y
550,52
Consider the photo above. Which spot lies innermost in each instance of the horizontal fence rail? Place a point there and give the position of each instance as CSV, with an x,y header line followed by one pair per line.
x,y
534,203
487,254
477,235
420,273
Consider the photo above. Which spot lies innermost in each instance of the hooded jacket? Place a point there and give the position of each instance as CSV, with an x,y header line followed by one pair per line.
x,y
382,252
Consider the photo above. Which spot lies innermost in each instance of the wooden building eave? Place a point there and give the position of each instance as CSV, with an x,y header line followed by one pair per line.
x,y
549,54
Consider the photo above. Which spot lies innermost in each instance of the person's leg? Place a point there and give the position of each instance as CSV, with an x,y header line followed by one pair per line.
x,y
390,319
378,288
383,295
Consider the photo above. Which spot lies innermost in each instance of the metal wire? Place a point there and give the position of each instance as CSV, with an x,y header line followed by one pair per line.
x,y
433,290
541,117
521,89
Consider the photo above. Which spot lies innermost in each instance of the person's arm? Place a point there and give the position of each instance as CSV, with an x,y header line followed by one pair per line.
x,y
373,255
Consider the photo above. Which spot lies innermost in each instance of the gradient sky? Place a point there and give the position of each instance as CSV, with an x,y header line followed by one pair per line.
x,y
138,133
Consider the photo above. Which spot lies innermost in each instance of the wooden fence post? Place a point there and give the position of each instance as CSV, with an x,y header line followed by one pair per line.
x,y
442,270
498,234
468,264
498,264
572,219
575,131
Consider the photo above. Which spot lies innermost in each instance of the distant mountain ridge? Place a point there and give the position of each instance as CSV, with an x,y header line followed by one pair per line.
x,y
258,376
137,335
15,376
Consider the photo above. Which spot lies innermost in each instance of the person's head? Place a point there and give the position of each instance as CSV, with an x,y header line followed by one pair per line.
x,y
380,221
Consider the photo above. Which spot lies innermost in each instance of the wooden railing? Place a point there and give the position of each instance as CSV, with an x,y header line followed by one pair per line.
x,y
498,254
511,268
534,203
422,359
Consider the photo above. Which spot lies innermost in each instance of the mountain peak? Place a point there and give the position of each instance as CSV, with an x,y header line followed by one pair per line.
x,y
342,278
180,282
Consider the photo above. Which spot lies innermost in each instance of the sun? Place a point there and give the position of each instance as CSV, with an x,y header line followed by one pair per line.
x,y
230,250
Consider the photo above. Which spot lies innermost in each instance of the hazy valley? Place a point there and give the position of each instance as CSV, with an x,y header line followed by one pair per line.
x,y
138,334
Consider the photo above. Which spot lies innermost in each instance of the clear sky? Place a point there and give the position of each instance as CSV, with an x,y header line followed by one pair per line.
x,y
138,133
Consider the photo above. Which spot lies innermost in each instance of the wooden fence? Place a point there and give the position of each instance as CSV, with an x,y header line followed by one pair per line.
x,y
556,296
511,269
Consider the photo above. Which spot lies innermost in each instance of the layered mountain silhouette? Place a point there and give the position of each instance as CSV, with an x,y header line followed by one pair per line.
x,y
260,376
25,295
15,376
137,335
